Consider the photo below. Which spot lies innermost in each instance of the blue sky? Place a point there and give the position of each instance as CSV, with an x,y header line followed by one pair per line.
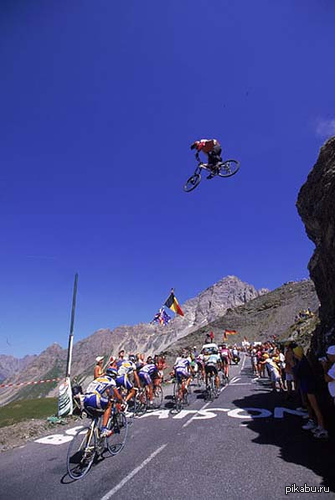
x,y
100,102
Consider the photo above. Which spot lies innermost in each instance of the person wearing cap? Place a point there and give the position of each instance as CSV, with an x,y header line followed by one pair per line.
x,y
329,369
98,369
121,358
307,385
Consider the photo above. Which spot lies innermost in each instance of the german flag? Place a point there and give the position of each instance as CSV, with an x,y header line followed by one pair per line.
x,y
172,303
231,332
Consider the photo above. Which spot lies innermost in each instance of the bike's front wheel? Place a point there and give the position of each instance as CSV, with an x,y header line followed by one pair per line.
x,y
229,168
81,453
119,426
192,182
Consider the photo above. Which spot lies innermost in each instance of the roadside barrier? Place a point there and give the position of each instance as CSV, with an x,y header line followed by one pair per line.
x,y
31,383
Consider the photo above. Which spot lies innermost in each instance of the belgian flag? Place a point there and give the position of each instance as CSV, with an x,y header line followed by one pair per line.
x,y
172,303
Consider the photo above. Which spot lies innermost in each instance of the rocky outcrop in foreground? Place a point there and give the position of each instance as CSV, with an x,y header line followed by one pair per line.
x,y
316,207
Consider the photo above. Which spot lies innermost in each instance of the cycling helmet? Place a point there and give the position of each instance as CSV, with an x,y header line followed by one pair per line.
x,y
112,372
132,358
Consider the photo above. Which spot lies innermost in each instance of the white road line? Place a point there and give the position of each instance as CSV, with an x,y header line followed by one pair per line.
x,y
241,383
205,406
189,421
133,473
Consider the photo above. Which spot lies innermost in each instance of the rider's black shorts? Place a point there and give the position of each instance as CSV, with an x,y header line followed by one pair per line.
x,y
211,369
224,360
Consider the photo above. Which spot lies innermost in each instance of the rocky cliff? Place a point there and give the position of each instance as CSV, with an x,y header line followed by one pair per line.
x,y
316,207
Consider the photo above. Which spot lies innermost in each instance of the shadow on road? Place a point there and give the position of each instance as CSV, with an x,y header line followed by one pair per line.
x,y
296,445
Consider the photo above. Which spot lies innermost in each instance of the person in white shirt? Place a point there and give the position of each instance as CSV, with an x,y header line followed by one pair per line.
x,y
329,368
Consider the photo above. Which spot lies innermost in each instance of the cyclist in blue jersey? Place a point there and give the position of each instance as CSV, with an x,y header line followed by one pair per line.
x,y
146,375
98,395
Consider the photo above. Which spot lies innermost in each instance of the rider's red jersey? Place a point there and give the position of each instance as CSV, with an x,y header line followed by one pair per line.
x,y
206,145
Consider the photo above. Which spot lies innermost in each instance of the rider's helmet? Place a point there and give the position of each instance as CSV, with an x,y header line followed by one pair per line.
x,y
224,346
132,358
112,372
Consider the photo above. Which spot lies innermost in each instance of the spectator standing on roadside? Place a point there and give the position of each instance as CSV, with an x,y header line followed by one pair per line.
x,y
329,369
289,375
307,384
98,369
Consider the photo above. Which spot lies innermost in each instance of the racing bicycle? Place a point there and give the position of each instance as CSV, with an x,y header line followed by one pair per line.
x,y
222,169
211,391
88,444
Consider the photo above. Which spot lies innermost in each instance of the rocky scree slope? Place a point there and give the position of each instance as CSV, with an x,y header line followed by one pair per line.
x,y
259,319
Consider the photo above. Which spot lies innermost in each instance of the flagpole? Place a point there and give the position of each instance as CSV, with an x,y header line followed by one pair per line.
x,y
70,345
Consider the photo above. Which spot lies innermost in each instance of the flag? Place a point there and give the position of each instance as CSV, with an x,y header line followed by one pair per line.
x,y
231,332
156,318
161,317
172,303
165,318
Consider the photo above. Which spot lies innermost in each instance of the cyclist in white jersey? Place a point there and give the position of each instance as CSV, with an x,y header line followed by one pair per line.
x,y
212,365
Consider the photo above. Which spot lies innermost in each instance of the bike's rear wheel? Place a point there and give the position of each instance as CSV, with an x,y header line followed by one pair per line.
x,y
140,403
192,182
81,453
116,441
229,168
158,396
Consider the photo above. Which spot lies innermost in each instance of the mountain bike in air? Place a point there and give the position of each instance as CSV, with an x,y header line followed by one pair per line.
x,y
225,168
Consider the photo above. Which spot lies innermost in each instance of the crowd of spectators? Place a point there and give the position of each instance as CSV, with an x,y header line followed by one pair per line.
x,y
304,314
301,378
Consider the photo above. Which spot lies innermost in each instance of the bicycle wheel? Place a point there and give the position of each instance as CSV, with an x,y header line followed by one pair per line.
x,y
140,403
229,168
81,453
158,396
192,182
116,441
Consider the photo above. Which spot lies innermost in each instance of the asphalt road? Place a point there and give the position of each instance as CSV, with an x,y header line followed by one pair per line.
x,y
247,443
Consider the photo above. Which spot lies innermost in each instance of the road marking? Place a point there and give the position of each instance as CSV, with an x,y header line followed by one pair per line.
x,y
205,406
189,421
234,379
241,383
133,473
262,413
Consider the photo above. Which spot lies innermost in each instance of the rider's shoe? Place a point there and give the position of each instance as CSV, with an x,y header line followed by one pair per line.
x,y
210,176
105,432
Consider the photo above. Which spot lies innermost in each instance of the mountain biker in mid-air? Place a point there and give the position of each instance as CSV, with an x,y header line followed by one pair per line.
x,y
213,150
